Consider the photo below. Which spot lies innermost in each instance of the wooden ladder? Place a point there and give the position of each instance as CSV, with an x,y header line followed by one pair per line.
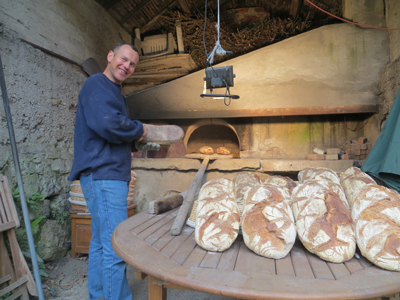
x,y
15,277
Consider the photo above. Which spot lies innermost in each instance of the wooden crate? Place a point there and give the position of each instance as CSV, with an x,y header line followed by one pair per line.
x,y
81,231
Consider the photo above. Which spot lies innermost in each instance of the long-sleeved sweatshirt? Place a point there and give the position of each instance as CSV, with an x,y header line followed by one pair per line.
x,y
104,134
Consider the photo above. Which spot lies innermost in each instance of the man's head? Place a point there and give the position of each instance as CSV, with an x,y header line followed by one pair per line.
x,y
122,61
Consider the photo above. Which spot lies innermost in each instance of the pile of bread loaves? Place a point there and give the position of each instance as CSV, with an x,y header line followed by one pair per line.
x,y
331,215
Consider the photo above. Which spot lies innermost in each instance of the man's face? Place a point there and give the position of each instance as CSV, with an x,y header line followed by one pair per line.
x,y
121,64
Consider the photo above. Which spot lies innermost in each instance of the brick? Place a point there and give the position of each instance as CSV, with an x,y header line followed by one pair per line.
x,y
333,151
363,156
354,141
350,151
331,156
369,146
315,156
362,140
356,147
344,156
318,150
362,151
364,147
357,152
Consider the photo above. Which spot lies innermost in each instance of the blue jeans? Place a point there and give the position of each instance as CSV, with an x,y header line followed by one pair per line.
x,y
107,201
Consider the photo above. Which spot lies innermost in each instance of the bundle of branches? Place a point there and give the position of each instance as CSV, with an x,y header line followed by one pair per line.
x,y
239,41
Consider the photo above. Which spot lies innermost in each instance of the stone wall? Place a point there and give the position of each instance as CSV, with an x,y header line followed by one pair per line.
x,y
389,83
75,29
43,89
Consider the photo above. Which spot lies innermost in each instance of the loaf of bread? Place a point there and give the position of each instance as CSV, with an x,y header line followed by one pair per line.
x,y
305,174
283,182
206,150
268,226
323,222
223,150
376,213
217,215
336,188
318,173
352,180
243,182
163,134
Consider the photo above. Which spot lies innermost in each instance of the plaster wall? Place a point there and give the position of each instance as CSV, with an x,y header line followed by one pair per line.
x,y
332,66
75,29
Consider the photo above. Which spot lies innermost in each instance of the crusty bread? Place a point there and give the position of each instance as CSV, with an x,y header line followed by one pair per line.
x,y
206,150
376,213
217,215
323,222
283,182
318,173
223,150
268,226
352,180
243,182
305,174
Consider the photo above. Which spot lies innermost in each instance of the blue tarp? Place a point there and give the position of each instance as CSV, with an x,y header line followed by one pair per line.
x,y
383,161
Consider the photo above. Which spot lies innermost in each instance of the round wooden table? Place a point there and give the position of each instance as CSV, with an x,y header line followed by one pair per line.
x,y
144,241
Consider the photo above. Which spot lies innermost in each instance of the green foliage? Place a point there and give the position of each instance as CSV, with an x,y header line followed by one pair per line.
x,y
31,200
63,217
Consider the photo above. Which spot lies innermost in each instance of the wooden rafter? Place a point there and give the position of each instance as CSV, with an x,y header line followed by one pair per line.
x,y
136,10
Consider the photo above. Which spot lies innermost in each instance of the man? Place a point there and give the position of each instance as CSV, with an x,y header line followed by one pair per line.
x,y
103,141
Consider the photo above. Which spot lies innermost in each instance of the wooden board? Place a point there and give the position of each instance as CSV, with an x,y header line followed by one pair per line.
x,y
144,242
210,156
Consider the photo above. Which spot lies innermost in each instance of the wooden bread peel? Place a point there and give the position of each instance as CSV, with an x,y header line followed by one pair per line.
x,y
187,204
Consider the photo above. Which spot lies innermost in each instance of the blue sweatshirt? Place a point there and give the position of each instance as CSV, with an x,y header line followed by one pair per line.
x,y
104,134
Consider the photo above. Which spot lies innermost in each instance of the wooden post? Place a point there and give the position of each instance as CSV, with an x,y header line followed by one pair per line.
x,y
179,37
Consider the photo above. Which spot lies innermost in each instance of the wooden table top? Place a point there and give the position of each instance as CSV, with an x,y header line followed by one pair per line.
x,y
144,241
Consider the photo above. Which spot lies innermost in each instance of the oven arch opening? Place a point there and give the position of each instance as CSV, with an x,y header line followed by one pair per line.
x,y
214,133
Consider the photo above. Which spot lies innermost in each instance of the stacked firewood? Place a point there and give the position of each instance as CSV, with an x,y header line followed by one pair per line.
x,y
239,41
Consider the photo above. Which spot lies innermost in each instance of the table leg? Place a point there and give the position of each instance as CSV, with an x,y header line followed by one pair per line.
x,y
156,290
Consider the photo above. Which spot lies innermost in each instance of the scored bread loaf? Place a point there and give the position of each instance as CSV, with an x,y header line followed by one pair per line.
x,y
283,182
318,173
305,174
268,226
243,182
352,180
376,213
323,222
217,215
206,150
163,134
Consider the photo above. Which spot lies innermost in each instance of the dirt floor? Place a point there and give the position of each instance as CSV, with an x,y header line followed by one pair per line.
x,y
68,281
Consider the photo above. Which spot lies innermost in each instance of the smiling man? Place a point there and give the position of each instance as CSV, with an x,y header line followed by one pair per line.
x,y
103,141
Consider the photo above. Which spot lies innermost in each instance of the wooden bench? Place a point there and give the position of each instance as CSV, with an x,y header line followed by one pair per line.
x,y
144,241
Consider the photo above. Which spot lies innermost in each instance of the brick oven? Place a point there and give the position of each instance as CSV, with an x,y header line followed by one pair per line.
x,y
315,90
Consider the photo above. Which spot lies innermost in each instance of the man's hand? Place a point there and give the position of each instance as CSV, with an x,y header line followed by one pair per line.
x,y
144,134
146,147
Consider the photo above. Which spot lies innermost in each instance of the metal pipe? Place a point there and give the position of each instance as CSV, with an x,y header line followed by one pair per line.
x,y
20,184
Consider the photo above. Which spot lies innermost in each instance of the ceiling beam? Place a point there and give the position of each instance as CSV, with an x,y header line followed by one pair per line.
x,y
135,10
147,26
